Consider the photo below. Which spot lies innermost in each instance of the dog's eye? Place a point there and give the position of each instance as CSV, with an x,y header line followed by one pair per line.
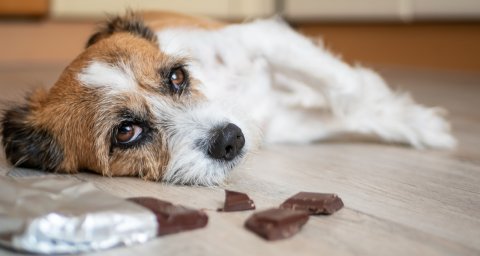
x,y
177,79
128,132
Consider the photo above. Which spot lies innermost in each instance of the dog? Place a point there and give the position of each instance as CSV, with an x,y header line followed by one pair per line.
x,y
173,98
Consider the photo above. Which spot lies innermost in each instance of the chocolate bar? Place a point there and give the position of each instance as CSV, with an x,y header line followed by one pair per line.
x,y
314,203
236,201
172,218
274,224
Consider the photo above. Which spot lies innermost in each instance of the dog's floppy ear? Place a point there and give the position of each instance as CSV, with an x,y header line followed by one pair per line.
x,y
26,144
131,23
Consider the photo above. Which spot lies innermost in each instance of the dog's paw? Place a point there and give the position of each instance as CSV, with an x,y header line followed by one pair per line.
x,y
430,129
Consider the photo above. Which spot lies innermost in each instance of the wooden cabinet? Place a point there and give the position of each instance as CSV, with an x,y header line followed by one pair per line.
x,y
29,8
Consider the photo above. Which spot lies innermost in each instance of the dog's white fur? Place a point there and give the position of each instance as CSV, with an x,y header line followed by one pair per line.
x,y
264,76
299,92
105,76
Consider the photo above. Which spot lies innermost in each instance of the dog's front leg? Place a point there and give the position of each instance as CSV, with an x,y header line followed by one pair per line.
x,y
357,98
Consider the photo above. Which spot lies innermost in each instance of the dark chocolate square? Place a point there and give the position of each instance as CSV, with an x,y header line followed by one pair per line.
x,y
314,203
274,224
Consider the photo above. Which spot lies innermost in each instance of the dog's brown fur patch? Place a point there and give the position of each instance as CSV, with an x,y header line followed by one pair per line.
x,y
79,121
158,20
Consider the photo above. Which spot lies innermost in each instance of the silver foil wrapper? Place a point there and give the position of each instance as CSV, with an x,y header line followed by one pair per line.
x,y
54,215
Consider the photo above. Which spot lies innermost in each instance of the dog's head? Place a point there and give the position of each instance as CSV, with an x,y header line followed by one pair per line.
x,y
123,107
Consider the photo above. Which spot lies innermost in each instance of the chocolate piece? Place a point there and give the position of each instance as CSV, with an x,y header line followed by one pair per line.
x,y
172,218
274,224
149,202
314,203
236,201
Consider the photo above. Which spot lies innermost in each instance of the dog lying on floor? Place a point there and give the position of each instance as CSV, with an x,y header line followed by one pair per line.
x,y
185,99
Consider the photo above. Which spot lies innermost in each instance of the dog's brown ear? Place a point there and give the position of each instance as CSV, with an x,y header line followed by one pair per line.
x,y
26,144
131,23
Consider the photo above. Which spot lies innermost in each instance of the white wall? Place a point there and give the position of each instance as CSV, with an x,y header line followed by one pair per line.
x,y
293,9
233,9
381,9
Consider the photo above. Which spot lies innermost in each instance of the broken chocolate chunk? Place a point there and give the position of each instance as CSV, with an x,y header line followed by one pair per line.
x,y
274,224
172,218
236,201
314,203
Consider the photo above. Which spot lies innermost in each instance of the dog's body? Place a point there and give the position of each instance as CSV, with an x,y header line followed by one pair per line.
x,y
186,101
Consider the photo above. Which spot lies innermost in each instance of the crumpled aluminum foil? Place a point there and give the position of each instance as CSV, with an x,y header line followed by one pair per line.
x,y
54,215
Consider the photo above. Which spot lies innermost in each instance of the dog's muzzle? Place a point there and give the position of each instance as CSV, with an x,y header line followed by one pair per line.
x,y
227,142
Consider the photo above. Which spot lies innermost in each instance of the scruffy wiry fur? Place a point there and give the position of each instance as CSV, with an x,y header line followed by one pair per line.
x,y
261,76
131,23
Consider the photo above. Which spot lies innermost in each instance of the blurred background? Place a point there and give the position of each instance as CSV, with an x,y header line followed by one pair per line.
x,y
426,34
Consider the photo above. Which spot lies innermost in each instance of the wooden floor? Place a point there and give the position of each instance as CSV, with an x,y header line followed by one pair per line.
x,y
398,201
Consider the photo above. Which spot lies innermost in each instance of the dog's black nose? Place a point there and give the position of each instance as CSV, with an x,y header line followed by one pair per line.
x,y
227,142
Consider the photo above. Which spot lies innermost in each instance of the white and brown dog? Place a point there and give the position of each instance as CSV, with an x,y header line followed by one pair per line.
x,y
184,99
